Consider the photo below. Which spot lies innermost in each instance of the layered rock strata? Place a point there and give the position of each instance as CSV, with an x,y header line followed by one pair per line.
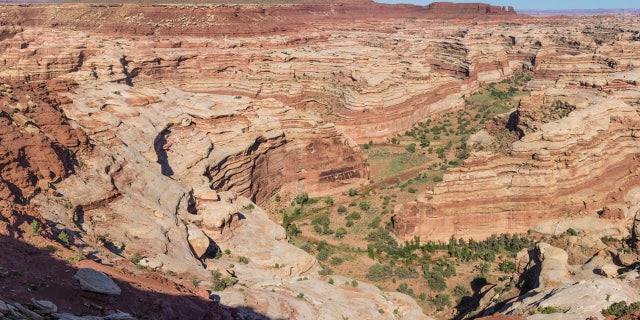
x,y
548,173
370,85
577,150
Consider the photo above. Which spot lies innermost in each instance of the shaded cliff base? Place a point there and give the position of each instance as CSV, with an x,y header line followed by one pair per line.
x,y
36,264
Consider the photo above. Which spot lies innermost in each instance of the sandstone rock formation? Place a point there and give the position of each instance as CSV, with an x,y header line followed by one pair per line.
x,y
467,9
38,143
576,153
152,136
96,281
559,286
592,296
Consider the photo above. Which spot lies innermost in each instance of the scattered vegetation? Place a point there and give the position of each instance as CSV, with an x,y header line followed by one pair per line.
x,y
344,229
35,226
621,308
220,283
548,310
63,237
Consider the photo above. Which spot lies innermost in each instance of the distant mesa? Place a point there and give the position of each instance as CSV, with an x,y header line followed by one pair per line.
x,y
466,9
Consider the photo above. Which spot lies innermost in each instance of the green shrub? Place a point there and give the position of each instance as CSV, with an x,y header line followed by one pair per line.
x,y
404,288
342,209
364,206
436,281
328,201
548,310
340,233
441,301
411,148
460,291
136,259
302,198
379,272
375,223
63,237
406,273
507,266
620,309
354,216
336,261
325,271
322,220
353,192
35,226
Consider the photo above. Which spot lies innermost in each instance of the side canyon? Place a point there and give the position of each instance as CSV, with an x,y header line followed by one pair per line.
x,y
166,142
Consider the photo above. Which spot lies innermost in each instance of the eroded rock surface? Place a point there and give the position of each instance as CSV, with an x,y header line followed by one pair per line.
x,y
169,122
575,148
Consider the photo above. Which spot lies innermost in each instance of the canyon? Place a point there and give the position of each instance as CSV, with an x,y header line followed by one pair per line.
x,y
151,141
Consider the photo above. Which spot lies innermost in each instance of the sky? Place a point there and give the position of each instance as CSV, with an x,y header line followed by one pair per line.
x,y
541,4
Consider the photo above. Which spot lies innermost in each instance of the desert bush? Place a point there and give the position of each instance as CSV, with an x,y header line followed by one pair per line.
x,y
441,301
620,309
35,227
379,272
340,233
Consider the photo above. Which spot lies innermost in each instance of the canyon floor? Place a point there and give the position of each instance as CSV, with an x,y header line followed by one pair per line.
x,y
317,160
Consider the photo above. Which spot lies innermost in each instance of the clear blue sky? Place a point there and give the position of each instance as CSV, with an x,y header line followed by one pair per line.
x,y
541,4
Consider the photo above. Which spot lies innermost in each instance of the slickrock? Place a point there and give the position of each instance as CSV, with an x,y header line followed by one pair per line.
x,y
591,294
166,123
149,160
35,131
559,286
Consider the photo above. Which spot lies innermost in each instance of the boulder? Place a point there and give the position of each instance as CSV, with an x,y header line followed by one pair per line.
x,y
198,241
4,308
96,281
554,268
609,270
44,306
582,248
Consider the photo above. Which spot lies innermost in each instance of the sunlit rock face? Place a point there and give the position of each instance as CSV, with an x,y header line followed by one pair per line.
x,y
578,147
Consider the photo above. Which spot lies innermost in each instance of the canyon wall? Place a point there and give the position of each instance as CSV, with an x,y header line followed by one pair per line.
x,y
576,162
369,84
147,131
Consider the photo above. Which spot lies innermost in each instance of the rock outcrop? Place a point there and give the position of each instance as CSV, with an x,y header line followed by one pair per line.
x,y
556,286
96,281
38,143
153,135
575,152
466,10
